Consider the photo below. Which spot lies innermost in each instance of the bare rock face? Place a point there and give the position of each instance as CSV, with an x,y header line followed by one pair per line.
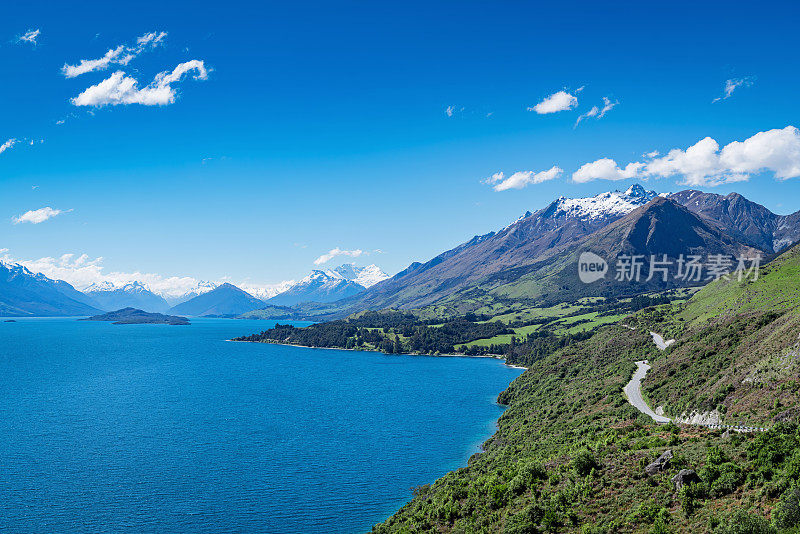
x,y
684,477
659,464
700,418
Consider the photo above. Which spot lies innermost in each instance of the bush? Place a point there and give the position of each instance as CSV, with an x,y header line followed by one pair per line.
x,y
741,522
690,497
725,479
498,495
787,513
584,462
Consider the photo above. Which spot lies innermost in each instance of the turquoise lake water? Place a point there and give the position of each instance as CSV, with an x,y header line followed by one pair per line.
x,y
154,428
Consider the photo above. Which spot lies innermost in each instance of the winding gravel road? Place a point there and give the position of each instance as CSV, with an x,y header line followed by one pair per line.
x,y
659,341
633,391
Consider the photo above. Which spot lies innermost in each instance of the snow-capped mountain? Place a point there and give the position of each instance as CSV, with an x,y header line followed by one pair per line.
x,y
224,300
364,276
611,204
330,285
24,293
200,288
131,295
268,291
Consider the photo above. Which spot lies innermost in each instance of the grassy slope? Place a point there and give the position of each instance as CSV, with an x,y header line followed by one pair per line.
x,y
571,401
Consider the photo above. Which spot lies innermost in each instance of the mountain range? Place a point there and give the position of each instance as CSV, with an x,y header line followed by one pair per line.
x,y
23,293
532,260
535,258
131,295
222,301
330,285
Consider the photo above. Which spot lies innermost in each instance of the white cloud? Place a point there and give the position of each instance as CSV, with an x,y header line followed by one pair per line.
x,y
605,169
451,111
608,105
706,164
38,216
733,84
82,271
591,113
122,89
29,36
121,55
560,101
8,144
328,256
597,112
521,179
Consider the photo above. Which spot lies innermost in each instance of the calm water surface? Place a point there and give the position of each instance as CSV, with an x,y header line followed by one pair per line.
x,y
153,428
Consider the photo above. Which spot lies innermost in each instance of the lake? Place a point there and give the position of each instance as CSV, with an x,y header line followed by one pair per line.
x,y
155,428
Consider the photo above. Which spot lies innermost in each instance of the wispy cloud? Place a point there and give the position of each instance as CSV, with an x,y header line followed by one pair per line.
x,y
733,84
121,55
520,179
30,37
608,105
82,271
594,112
452,111
122,89
38,216
598,112
8,144
560,101
706,164
334,252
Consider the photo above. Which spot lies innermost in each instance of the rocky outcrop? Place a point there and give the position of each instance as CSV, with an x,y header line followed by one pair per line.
x,y
684,477
700,418
659,464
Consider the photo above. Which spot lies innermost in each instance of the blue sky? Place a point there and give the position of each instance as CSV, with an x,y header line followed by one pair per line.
x,y
324,125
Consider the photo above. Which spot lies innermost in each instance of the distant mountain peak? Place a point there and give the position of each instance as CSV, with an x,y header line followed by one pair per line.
x,y
636,190
364,276
106,285
330,285
604,205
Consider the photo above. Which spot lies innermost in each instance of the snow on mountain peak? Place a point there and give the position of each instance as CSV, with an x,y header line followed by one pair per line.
x,y
370,275
106,285
349,272
363,276
614,203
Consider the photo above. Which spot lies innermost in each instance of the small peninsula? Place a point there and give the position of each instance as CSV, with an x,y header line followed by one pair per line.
x,y
136,316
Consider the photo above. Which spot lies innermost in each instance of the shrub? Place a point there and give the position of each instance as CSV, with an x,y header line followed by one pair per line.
x,y
741,522
724,480
787,513
584,462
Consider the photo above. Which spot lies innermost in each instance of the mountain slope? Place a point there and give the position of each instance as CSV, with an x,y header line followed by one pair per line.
x,y
330,285
23,293
132,295
535,260
747,221
319,286
226,299
521,244
570,453
364,276
200,288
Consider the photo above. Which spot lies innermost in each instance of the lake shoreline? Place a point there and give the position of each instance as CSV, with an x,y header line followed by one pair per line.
x,y
491,356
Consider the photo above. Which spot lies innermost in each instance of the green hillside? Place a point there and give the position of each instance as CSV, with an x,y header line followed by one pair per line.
x,y
570,452
776,289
